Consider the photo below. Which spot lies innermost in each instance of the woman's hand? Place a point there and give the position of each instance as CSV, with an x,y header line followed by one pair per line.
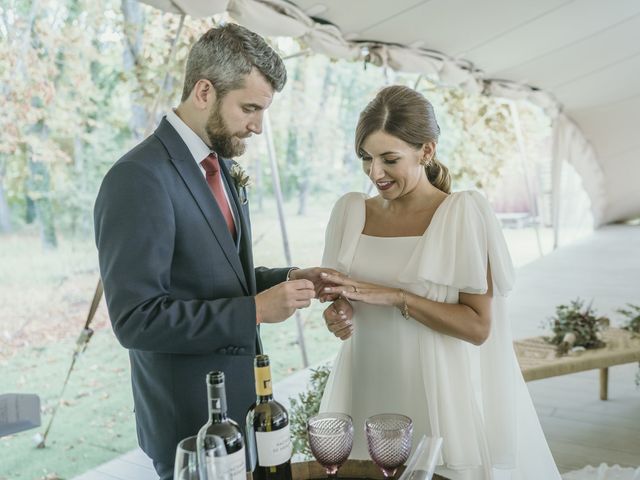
x,y
362,291
315,275
338,317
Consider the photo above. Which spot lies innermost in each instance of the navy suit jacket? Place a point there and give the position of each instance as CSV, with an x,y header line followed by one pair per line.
x,y
180,292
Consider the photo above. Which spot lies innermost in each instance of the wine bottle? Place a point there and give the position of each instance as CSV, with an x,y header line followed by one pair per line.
x,y
219,425
268,435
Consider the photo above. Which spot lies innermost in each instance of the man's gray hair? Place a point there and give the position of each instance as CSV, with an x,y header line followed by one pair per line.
x,y
225,55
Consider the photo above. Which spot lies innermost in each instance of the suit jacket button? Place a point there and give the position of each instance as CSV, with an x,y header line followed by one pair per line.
x,y
241,350
222,351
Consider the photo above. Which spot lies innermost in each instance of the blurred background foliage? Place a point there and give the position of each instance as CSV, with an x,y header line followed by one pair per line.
x,y
83,81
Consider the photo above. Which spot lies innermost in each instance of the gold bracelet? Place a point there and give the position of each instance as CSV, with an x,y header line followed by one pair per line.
x,y
405,307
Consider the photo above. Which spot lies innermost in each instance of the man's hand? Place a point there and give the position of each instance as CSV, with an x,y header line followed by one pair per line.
x,y
280,301
338,317
315,275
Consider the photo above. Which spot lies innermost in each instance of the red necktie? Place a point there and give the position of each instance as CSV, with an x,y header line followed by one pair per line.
x,y
211,166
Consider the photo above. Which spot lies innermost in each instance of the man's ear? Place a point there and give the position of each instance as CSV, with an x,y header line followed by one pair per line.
x,y
203,94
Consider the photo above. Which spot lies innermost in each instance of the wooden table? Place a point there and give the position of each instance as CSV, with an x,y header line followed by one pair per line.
x,y
538,358
352,469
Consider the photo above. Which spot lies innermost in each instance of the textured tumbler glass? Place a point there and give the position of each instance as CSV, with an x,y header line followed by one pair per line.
x,y
330,440
389,441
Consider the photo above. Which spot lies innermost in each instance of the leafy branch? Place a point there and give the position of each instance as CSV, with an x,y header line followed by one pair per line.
x,y
632,314
576,326
306,406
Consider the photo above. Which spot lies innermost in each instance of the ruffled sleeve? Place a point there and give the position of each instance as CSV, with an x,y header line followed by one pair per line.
x,y
464,234
341,237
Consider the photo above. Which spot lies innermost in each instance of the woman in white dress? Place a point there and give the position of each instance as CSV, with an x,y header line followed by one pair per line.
x,y
421,306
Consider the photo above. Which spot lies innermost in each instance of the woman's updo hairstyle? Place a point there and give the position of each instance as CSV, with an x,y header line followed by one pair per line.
x,y
404,113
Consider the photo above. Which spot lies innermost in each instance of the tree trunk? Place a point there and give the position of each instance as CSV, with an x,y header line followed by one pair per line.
x,y
259,185
293,157
5,212
40,185
39,190
133,35
348,120
82,222
305,179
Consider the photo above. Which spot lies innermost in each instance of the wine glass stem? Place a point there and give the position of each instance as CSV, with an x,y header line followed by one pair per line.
x,y
332,473
389,474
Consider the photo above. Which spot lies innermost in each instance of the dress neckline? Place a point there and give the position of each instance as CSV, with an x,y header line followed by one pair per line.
x,y
433,217
391,238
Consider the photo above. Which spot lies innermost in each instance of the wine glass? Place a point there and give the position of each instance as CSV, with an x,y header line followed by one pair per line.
x,y
330,440
200,459
213,462
186,463
389,441
422,463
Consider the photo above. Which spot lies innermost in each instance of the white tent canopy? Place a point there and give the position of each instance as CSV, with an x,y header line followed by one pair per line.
x,y
579,59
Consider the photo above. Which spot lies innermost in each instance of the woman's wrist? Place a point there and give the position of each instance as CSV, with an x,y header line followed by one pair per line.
x,y
402,304
398,299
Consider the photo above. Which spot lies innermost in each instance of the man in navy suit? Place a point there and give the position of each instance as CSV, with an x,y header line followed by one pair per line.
x,y
174,245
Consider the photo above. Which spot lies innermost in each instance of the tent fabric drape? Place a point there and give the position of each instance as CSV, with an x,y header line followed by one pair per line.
x,y
282,18
571,147
275,18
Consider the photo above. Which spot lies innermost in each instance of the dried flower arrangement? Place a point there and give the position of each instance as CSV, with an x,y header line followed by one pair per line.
x,y
575,326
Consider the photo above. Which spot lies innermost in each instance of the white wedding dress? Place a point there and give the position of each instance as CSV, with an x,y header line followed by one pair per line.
x,y
473,397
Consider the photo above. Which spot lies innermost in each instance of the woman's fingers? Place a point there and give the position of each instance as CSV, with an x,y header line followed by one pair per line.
x,y
343,290
328,297
351,294
337,320
344,333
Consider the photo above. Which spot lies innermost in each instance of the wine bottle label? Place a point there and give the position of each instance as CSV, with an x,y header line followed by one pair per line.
x,y
274,448
263,381
233,464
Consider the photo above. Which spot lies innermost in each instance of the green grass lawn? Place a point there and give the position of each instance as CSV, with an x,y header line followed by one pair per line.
x,y
44,297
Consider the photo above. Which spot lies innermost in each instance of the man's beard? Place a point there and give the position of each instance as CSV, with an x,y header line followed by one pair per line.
x,y
223,142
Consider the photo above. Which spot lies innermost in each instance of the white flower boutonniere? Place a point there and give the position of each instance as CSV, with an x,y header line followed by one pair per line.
x,y
241,181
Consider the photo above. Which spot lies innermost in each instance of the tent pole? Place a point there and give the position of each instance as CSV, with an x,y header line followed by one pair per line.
x,y
515,118
275,176
418,80
154,108
556,180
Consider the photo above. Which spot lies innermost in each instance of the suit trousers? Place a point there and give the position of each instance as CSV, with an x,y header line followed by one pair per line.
x,y
164,470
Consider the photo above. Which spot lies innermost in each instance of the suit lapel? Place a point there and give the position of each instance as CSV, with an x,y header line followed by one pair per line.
x,y
229,186
194,180
245,236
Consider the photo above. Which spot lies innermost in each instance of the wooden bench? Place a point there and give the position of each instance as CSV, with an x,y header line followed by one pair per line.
x,y
538,359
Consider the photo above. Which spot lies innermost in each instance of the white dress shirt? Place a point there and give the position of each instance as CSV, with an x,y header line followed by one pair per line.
x,y
199,150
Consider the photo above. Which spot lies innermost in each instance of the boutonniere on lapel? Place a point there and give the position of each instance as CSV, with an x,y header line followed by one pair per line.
x,y
241,180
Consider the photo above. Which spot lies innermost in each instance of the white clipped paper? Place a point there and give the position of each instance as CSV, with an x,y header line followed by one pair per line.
x,y
233,464
274,448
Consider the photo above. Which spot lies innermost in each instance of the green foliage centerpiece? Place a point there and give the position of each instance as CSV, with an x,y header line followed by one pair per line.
x,y
306,406
632,316
632,324
576,326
